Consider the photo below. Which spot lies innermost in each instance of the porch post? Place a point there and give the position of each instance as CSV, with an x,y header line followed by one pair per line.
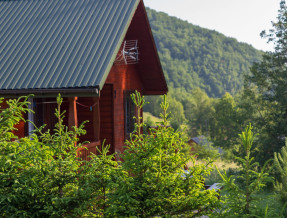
x,y
96,118
73,117
30,116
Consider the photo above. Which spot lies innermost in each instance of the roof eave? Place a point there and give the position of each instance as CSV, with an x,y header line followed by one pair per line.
x,y
67,92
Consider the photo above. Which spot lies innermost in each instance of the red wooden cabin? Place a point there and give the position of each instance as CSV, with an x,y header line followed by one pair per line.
x,y
95,53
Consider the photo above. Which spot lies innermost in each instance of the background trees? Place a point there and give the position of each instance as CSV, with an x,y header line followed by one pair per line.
x,y
226,122
267,85
200,66
194,57
198,61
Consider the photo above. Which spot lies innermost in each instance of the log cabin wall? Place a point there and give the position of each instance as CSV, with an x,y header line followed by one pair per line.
x,y
107,116
112,112
123,78
86,109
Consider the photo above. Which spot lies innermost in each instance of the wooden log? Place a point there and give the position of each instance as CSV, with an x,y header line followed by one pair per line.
x,y
73,116
96,118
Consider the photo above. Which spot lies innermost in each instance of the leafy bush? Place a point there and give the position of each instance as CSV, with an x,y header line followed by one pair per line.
x,y
240,200
41,175
154,182
280,162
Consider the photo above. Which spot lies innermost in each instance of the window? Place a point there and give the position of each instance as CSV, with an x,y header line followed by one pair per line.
x,y
130,113
44,113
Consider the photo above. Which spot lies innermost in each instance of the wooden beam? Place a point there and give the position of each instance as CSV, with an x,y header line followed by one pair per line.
x,y
96,118
31,116
73,116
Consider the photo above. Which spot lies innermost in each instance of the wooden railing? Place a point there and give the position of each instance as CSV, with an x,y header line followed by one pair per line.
x,y
88,149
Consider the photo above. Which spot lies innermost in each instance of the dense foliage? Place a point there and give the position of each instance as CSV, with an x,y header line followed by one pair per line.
x,y
199,65
266,89
41,175
280,162
262,102
193,57
220,119
159,186
240,200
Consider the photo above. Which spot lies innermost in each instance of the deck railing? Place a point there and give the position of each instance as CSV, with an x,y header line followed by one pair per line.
x,y
88,149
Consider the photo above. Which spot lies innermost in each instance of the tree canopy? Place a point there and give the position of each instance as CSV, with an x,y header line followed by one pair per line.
x,y
192,56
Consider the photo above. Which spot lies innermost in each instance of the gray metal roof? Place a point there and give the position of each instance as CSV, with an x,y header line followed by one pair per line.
x,y
55,44
200,140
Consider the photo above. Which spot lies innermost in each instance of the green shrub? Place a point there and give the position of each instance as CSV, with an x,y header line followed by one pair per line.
x,y
280,162
240,194
153,182
40,175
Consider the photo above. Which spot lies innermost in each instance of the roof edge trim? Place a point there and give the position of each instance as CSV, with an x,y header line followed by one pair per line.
x,y
51,92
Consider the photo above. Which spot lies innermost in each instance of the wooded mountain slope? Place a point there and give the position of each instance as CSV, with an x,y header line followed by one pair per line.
x,y
192,56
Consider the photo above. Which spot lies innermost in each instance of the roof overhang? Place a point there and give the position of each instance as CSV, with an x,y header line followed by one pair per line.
x,y
71,92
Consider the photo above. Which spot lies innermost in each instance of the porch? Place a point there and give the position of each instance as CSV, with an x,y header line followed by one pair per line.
x,y
88,149
96,112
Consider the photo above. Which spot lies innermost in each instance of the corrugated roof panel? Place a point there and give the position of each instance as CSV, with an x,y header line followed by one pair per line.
x,y
59,43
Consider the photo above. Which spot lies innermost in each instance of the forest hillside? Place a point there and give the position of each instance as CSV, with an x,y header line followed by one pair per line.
x,y
195,57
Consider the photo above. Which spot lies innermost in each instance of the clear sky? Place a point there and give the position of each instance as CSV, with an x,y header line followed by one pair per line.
x,y
241,19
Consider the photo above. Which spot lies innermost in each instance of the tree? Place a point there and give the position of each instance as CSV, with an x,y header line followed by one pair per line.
x,y
240,200
269,79
41,175
199,111
226,123
177,117
280,162
194,57
63,187
153,182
